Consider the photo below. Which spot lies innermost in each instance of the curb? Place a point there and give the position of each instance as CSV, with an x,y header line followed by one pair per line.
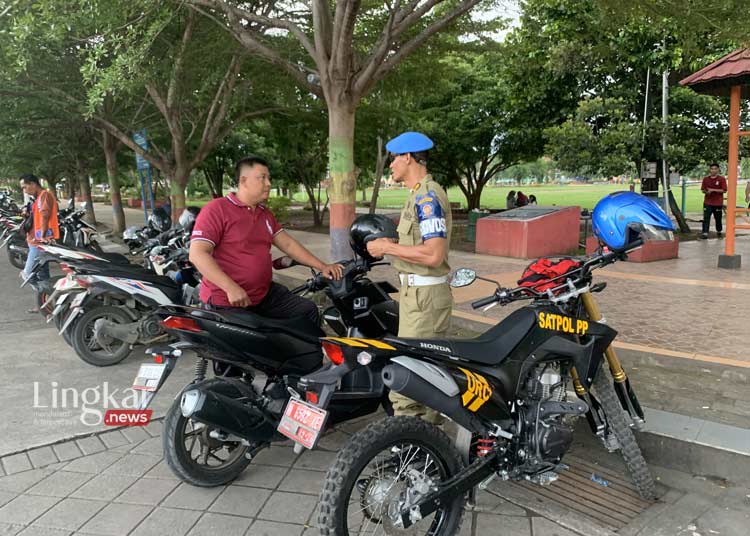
x,y
76,446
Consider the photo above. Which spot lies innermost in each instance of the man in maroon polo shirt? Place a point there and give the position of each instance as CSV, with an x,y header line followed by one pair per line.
x,y
713,186
231,247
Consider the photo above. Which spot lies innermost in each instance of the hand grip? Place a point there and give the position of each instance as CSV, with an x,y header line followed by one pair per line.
x,y
484,301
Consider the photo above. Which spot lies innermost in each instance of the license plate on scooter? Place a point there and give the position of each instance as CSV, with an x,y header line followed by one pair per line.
x,y
302,422
149,376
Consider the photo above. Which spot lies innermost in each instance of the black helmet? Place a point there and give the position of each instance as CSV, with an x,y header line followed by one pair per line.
x,y
369,227
160,220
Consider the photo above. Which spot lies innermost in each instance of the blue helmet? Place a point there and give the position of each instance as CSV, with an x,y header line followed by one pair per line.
x,y
620,217
409,142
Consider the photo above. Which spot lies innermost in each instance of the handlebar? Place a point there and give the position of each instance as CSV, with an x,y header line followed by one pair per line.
x,y
352,270
484,301
503,295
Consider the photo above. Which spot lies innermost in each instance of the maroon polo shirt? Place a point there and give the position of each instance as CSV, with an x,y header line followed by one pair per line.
x,y
714,199
242,238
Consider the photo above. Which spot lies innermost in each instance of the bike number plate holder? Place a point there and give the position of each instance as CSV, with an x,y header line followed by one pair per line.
x,y
303,422
65,283
149,376
77,300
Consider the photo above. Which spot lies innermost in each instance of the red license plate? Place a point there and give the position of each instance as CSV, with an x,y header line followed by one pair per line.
x,y
302,422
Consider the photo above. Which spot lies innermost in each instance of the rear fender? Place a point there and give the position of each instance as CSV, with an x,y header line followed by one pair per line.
x,y
101,289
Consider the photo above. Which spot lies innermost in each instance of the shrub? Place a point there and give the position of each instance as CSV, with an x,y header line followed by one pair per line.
x,y
279,206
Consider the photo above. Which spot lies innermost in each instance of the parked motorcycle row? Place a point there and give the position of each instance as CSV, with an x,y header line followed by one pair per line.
x,y
103,304
515,391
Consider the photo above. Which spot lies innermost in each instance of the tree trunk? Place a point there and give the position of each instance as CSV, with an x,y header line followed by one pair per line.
x,y
314,204
679,216
85,187
379,168
342,191
474,198
110,156
178,183
215,181
52,185
70,188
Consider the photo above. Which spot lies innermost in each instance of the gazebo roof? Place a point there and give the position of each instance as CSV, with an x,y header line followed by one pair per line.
x,y
716,79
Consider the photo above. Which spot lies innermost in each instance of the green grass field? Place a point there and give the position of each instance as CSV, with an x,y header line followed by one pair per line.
x,y
585,195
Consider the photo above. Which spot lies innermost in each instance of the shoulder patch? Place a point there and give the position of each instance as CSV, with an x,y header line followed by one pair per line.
x,y
431,216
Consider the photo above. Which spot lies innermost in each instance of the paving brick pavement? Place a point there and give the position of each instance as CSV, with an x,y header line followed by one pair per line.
x,y
129,490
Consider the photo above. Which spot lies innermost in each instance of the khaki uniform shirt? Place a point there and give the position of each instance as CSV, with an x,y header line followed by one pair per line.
x,y
426,215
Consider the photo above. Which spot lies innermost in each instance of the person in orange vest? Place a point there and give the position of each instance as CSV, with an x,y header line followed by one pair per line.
x,y
45,227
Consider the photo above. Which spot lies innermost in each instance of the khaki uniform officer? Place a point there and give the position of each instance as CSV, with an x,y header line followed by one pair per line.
x,y
421,254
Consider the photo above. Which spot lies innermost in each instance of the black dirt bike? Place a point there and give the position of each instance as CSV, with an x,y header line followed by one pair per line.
x,y
217,424
508,388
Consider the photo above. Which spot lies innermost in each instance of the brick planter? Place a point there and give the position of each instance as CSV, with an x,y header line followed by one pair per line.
x,y
529,232
651,250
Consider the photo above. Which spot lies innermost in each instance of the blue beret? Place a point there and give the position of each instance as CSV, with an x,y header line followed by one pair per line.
x,y
409,142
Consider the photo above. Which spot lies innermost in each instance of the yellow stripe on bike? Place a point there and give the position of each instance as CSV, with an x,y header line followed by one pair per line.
x,y
347,341
377,344
361,343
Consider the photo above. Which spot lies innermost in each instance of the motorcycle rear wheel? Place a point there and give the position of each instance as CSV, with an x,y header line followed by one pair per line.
x,y
181,436
86,345
620,427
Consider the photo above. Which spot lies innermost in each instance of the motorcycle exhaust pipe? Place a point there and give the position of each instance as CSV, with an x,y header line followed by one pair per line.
x,y
412,385
227,414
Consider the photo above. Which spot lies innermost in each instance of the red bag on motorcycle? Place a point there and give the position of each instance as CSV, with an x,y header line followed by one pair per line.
x,y
538,274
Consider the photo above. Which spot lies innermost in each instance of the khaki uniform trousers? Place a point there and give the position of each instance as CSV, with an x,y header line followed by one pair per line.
x,y
424,313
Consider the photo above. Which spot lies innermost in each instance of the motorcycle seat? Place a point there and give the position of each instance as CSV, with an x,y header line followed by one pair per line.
x,y
490,348
297,325
116,258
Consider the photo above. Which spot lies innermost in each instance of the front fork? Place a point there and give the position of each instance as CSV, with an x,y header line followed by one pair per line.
x,y
624,391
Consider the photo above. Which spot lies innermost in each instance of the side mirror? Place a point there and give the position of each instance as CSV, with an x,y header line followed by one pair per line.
x,y
284,262
463,277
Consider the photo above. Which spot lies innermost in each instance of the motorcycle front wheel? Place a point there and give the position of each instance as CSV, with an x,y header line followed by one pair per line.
x,y
43,294
193,455
95,247
619,426
383,470
17,254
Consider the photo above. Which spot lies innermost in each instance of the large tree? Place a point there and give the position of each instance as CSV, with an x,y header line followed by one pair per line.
x,y
191,76
604,58
341,51
722,20
477,130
